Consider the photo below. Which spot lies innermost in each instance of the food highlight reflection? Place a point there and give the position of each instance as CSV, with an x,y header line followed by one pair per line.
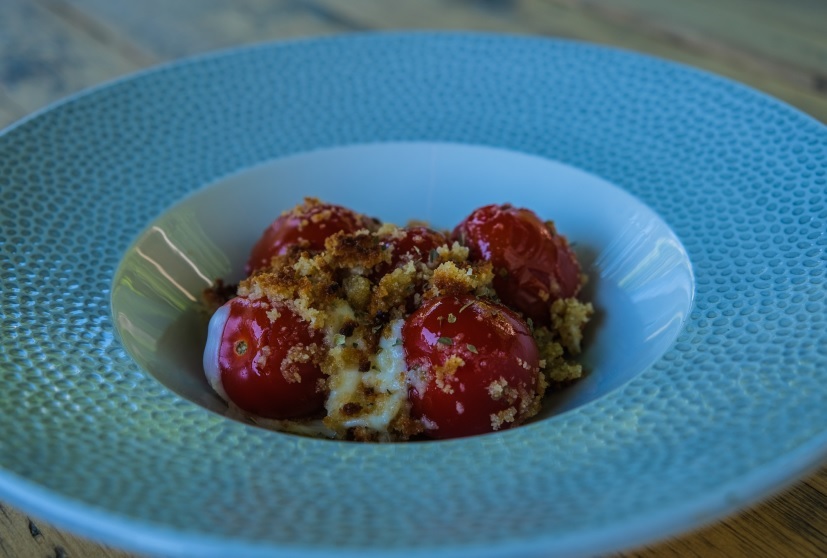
x,y
652,269
165,265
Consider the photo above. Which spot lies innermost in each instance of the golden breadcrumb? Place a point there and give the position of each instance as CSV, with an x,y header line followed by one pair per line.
x,y
568,317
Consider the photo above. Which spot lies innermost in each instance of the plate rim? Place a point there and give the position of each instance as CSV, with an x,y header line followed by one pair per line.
x,y
107,528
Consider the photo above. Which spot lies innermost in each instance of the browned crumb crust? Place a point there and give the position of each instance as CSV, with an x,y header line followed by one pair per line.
x,y
218,295
559,343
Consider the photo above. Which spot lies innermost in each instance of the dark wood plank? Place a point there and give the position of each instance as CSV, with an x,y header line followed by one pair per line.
x,y
9,110
792,524
769,46
186,27
24,537
43,57
787,36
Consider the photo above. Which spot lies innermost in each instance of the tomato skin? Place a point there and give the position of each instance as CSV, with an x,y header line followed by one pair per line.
x,y
415,245
533,265
252,353
496,347
306,226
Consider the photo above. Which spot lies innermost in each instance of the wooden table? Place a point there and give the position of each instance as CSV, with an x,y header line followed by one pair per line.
x,y
50,48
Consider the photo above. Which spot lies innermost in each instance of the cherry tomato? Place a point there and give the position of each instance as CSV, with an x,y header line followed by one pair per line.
x,y
533,265
264,358
307,226
410,244
475,366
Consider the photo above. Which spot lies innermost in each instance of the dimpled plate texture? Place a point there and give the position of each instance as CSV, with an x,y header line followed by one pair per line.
x,y
737,406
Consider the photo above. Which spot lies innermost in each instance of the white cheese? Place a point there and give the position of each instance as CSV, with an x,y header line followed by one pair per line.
x,y
387,380
210,359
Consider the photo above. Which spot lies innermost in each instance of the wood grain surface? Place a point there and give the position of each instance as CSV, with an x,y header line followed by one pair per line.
x,y
52,48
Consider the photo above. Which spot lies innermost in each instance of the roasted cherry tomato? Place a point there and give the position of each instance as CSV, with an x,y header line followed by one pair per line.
x,y
410,244
414,244
264,358
533,265
474,366
307,226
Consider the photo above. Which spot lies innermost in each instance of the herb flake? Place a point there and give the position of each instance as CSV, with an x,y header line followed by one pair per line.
x,y
445,341
466,305
471,348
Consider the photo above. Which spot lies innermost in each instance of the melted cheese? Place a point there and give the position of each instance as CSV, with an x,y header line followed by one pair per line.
x,y
381,392
210,358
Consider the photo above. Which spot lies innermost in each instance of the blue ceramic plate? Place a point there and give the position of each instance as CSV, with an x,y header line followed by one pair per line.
x,y
721,200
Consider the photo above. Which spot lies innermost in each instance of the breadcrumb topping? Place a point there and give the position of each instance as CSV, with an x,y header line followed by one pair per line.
x,y
498,420
568,317
444,372
348,293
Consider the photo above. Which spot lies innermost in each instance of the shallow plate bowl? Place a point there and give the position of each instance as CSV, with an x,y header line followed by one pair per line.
x,y
735,406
